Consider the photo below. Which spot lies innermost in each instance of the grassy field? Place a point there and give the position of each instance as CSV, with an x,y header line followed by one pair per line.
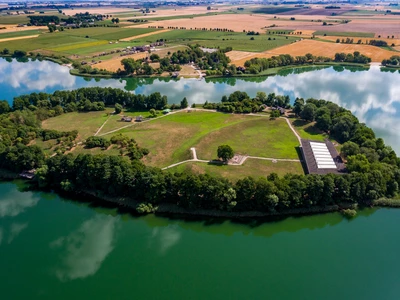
x,y
251,167
74,41
255,137
170,138
345,34
307,130
86,123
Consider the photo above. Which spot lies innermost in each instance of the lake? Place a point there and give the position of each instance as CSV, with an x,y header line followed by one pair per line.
x,y
55,248
372,95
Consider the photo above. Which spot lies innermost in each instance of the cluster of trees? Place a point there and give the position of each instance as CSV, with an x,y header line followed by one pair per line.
x,y
97,142
206,61
241,102
43,20
356,57
374,168
130,145
16,53
84,99
257,65
378,43
392,61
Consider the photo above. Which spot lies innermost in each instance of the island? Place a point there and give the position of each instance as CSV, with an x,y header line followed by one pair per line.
x,y
236,157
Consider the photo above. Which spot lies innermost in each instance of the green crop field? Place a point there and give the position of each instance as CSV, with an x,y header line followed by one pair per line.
x,y
19,33
251,167
107,33
17,19
349,34
215,39
274,10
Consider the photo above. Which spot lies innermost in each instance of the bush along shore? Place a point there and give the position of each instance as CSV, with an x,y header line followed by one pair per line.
x,y
374,168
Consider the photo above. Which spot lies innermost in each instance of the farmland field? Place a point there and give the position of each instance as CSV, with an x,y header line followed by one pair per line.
x,y
19,33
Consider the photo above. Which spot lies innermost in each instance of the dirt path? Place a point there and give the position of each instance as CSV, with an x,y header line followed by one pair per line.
x,y
19,38
131,38
292,128
101,127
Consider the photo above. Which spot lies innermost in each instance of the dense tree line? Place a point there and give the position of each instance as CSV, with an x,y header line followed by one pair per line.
x,y
356,57
392,61
84,99
258,65
241,102
373,166
43,20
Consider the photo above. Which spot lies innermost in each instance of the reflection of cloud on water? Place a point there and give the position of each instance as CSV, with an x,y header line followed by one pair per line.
x,y
15,230
165,238
11,205
86,248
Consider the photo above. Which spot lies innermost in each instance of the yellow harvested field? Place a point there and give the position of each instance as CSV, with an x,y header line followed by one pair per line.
x,y
316,48
19,38
364,40
235,22
142,35
188,71
115,63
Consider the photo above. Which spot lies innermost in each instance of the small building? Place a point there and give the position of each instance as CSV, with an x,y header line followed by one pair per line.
x,y
139,119
166,111
126,119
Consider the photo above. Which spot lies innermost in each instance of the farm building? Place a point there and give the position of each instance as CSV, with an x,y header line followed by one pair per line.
x,y
139,119
126,119
321,157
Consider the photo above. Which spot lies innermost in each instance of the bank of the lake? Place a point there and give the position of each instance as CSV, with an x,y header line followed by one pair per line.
x,y
57,248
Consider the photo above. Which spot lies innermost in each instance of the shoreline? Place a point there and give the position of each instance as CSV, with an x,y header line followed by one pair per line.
x,y
170,210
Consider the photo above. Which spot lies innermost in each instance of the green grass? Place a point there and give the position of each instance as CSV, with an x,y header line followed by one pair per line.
x,y
308,131
17,19
18,33
86,123
255,137
251,167
339,33
107,33
169,139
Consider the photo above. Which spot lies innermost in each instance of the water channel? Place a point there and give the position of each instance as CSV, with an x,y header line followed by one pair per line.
x,y
55,248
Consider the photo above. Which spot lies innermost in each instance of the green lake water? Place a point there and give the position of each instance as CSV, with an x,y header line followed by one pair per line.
x,y
53,248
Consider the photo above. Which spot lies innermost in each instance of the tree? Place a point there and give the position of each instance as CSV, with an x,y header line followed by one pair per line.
x,y
184,103
225,152
6,51
4,107
152,112
130,65
154,57
118,108
308,112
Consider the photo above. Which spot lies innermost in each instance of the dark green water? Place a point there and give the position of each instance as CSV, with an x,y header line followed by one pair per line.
x,y
52,248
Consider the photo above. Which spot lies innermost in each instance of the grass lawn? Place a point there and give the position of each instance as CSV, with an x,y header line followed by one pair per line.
x,y
349,34
169,139
255,137
114,122
252,167
86,123
108,33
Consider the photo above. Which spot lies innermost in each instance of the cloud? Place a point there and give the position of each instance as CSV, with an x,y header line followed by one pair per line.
x,y
85,249
15,230
12,204
165,238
